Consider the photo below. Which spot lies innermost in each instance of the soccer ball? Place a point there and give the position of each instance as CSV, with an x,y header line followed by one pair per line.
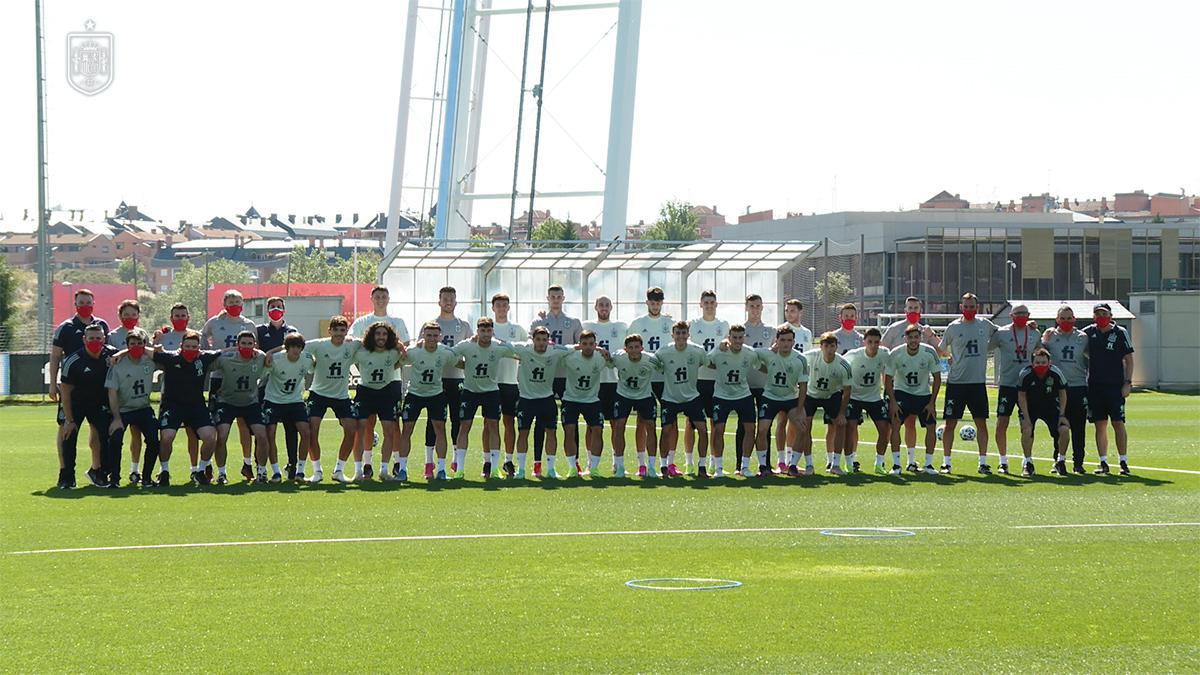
x,y
967,433
375,439
940,430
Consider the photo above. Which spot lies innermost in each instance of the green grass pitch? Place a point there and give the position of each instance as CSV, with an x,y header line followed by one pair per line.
x,y
980,594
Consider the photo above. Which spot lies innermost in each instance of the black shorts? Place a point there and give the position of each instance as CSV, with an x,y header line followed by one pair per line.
x,y
963,397
274,413
831,407
592,415
508,399
1047,414
317,405
543,411
227,413
381,403
1104,402
608,400
488,401
646,408
705,389
1006,401
195,417
723,408
769,408
559,387
434,407
657,389
214,388
856,410
912,405
693,410
143,419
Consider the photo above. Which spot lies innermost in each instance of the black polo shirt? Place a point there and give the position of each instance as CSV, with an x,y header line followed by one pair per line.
x,y
183,382
270,337
86,375
1105,353
69,335
1042,393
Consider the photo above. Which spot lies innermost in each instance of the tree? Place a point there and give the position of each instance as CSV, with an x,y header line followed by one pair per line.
x,y
676,222
318,266
189,288
8,297
834,289
555,230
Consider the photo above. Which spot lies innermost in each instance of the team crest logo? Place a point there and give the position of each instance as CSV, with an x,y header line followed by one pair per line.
x,y
89,60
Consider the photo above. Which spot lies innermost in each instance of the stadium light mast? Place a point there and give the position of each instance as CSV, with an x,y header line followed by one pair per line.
x,y
45,297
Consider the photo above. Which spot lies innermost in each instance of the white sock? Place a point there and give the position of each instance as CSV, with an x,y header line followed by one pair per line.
x,y
912,456
460,458
787,456
262,469
487,456
829,457
671,457
204,464
429,454
521,460
689,458
403,464
835,459
246,461
1103,459
221,471
1124,458
982,460
762,457
275,467
929,459
358,467
441,463
368,457
808,461
878,460
550,464
303,466
852,458
652,464
896,457
495,458
164,464
508,457
1004,460
195,468
593,462
341,464
641,458
619,463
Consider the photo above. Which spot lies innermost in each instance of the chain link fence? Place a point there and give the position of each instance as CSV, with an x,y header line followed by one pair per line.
x,y
835,273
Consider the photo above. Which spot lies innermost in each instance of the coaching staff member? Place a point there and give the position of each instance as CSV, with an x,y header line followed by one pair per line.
x,y
1110,369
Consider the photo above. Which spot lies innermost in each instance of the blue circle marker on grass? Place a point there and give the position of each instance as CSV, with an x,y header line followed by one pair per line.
x,y
868,532
663,584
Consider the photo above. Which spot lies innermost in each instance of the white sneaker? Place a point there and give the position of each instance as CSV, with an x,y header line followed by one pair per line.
x,y
930,470
895,472
317,477
837,471
719,473
340,477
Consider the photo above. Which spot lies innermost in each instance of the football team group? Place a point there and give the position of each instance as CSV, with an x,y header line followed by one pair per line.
x,y
561,370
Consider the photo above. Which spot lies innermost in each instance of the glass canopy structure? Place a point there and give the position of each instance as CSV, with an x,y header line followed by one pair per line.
x,y
587,270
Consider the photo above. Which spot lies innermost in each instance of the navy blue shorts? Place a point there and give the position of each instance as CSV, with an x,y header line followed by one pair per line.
x,y
961,398
381,403
876,410
274,413
195,417
769,409
317,405
543,411
608,400
705,389
434,407
723,408
693,410
591,413
488,401
830,406
143,419
508,399
1006,401
227,413
1104,402
1047,414
646,408
910,405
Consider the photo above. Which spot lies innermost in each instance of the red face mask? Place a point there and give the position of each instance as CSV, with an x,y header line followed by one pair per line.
x,y
137,351
129,323
1041,371
234,310
85,311
245,352
275,313
189,354
179,324
1020,321
1066,326
1103,321
912,317
848,324
969,314
94,346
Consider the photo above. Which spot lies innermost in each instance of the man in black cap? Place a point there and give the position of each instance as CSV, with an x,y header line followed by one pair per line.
x,y
1110,369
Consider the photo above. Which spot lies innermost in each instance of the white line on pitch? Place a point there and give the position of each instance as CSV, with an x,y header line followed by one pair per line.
x,y
1053,527
938,453
442,537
